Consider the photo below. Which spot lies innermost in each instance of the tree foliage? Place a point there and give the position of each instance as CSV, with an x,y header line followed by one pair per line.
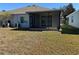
x,y
68,9
4,17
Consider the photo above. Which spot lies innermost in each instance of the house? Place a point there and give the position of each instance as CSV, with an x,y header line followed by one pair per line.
x,y
35,17
73,19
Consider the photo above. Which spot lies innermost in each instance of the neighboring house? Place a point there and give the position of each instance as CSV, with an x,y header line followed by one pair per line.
x,y
73,19
35,17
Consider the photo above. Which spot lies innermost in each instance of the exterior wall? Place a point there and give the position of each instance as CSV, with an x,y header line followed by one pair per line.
x,y
55,20
75,17
16,20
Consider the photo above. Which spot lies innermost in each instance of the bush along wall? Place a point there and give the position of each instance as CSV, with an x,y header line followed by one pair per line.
x,y
69,29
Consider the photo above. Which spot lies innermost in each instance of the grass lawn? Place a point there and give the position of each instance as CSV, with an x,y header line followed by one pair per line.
x,y
37,42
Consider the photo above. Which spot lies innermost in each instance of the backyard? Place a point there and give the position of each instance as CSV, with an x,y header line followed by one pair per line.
x,y
37,42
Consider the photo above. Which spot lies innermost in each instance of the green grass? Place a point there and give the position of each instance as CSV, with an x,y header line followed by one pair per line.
x,y
37,42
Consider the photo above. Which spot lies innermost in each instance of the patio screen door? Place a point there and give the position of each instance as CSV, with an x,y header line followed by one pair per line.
x,y
43,21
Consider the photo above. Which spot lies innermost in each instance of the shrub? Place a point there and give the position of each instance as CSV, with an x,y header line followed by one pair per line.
x,y
69,29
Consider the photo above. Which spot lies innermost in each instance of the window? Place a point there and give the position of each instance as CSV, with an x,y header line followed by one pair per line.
x,y
49,21
22,19
43,20
72,19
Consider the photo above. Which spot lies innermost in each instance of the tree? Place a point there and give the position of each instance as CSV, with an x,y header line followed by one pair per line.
x,y
5,16
68,9
3,10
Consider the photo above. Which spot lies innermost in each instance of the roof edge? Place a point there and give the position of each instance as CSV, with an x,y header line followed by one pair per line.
x,y
72,13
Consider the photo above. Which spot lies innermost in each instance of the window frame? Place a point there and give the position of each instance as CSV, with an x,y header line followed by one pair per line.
x,y
72,20
22,19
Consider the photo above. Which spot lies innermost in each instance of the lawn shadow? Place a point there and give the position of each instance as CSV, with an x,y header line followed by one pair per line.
x,y
25,29
70,30
32,29
71,33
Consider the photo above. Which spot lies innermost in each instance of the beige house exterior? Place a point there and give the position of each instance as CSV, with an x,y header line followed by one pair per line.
x,y
35,17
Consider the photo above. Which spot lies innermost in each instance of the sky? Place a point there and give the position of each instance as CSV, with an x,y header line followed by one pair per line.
x,y
10,6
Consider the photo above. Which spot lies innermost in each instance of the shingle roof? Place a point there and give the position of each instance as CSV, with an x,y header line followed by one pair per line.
x,y
33,8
